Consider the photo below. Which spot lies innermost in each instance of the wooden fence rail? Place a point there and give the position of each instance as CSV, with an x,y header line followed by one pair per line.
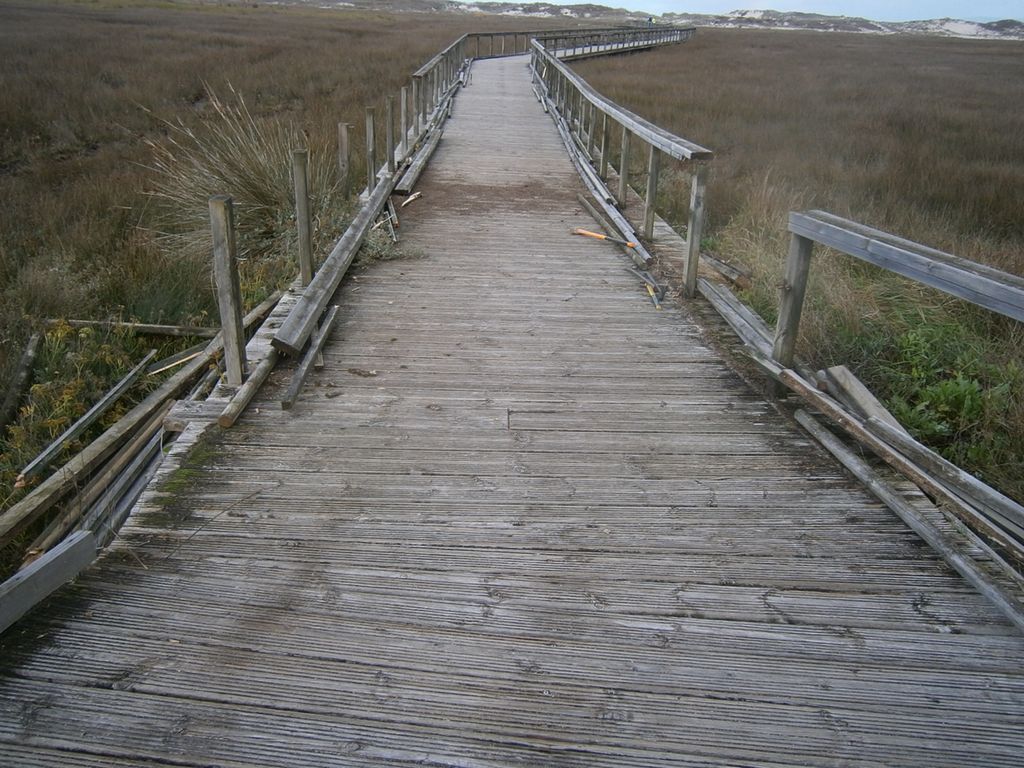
x,y
591,120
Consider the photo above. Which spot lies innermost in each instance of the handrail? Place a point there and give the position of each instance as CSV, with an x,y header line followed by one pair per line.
x,y
665,141
586,120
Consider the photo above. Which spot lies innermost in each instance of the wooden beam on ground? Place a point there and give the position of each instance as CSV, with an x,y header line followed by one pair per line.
x,y
20,593
247,391
150,329
299,377
44,496
40,462
295,330
998,596
852,391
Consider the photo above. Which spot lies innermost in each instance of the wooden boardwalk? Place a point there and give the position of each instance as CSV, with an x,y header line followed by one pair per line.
x,y
521,518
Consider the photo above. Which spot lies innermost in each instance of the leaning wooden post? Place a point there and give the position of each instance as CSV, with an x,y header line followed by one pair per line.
x,y
371,151
794,286
624,169
229,291
695,229
344,158
303,222
403,112
389,132
653,162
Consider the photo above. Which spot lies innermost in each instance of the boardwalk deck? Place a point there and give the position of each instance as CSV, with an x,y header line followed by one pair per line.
x,y
520,518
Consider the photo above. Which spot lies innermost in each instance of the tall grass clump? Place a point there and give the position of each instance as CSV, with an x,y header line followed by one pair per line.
x,y
232,152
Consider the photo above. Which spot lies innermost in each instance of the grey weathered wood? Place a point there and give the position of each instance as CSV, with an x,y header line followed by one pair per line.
x,y
974,489
1005,602
371,150
851,390
46,494
229,291
695,227
981,285
295,330
898,461
178,358
149,329
651,198
302,372
752,333
248,390
20,381
672,145
303,219
623,196
389,132
794,286
94,488
603,170
404,145
23,591
72,433
344,159
417,112
522,515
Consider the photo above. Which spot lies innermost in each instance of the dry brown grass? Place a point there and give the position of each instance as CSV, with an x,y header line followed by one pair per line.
x,y
920,137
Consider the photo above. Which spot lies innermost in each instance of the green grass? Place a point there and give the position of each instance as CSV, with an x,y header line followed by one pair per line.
x,y
920,137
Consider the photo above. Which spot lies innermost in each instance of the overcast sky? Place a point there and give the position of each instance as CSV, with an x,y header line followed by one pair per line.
x,y
880,10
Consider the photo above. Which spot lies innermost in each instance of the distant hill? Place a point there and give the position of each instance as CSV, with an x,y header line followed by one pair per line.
x,y
1007,29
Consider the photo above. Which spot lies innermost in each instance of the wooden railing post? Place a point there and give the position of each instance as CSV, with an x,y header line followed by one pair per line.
x,y
403,120
695,229
303,222
389,132
624,170
653,162
371,151
417,88
794,287
604,146
591,130
344,158
229,291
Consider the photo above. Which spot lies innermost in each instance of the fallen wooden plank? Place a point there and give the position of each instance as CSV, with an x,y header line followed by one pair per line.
x,y
985,496
248,390
60,482
183,412
97,484
295,330
30,585
151,329
418,164
1005,602
852,390
40,462
312,354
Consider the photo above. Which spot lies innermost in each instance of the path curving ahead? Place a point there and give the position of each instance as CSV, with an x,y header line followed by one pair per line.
x,y
521,518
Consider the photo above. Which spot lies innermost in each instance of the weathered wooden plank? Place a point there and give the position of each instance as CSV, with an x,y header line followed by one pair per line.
x,y
20,593
40,462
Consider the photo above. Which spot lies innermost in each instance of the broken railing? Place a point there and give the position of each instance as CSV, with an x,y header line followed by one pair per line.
x,y
591,125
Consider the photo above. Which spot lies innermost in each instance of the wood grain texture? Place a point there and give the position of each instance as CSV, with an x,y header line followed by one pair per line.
x,y
520,518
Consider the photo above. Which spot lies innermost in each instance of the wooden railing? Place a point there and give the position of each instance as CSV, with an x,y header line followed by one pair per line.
x,y
981,285
589,123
